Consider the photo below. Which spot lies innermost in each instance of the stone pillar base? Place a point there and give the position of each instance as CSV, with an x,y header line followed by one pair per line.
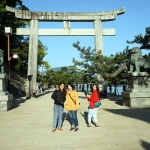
x,y
138,100
137,95
6,102
5,97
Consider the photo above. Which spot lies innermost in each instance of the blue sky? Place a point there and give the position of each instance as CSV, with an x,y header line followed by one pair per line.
x,y
60,50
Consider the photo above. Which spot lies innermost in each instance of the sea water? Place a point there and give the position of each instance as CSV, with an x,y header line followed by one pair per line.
x,y
119,89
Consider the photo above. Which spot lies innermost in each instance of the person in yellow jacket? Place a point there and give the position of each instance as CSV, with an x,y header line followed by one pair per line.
x,y
72,104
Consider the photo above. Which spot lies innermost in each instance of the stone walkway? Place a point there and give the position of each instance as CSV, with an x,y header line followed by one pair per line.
x,y
28,127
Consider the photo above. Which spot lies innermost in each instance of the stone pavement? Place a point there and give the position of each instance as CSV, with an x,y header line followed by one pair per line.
x,y
28,126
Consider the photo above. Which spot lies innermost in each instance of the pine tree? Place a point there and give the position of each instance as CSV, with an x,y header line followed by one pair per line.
x,y
94,64
144,41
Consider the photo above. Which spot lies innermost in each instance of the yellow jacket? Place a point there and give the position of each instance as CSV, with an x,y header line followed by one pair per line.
x,y
69,104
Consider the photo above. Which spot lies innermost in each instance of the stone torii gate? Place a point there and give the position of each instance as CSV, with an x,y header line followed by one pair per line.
x,y
96,17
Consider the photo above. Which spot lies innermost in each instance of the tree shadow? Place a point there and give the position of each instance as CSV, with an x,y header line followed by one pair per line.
x,y
146,145
42,94
119,101
102,98
117,98
140,114
17,101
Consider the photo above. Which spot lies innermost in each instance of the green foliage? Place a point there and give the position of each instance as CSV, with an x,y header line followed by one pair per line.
x,y
65,74
91,65
144,41
9,19
22,49
18,44
147,57
94,63
42,52
76,74
55,77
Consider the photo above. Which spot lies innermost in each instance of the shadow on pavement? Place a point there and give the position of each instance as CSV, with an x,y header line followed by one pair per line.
x,y
117,98
42,94
140,114
82,97
146,145
17,101
65,117
85,116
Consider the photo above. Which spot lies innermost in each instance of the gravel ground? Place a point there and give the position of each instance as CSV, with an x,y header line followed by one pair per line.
x,y
28,126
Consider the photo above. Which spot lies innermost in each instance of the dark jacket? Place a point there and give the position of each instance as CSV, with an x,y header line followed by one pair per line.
x,y
59,98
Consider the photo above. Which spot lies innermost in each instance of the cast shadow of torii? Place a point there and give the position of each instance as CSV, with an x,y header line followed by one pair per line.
x,y
136,113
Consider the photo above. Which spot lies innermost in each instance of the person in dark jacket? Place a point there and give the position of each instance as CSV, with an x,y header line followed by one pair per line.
x,y
59,97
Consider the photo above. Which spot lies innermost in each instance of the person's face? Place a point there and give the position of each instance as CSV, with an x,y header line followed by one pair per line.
x,y
61,86
94,87
69,88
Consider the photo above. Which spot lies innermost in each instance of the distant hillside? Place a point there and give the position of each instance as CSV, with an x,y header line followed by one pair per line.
x,y
57,68
54,69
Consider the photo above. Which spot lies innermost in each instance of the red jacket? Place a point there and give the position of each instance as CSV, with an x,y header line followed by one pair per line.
x,y
93,98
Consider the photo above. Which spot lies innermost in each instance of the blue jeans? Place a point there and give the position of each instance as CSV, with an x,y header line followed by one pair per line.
x,y
73,117
58,112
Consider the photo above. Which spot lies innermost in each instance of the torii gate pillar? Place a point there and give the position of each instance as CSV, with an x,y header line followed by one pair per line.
x,y
98,36
32,58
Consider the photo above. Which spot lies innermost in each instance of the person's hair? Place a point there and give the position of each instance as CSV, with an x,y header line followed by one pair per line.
x,y
71,84
64,90
97,89
56,85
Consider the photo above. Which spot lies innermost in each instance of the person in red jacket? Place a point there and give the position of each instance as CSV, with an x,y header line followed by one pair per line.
x,y
92,111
